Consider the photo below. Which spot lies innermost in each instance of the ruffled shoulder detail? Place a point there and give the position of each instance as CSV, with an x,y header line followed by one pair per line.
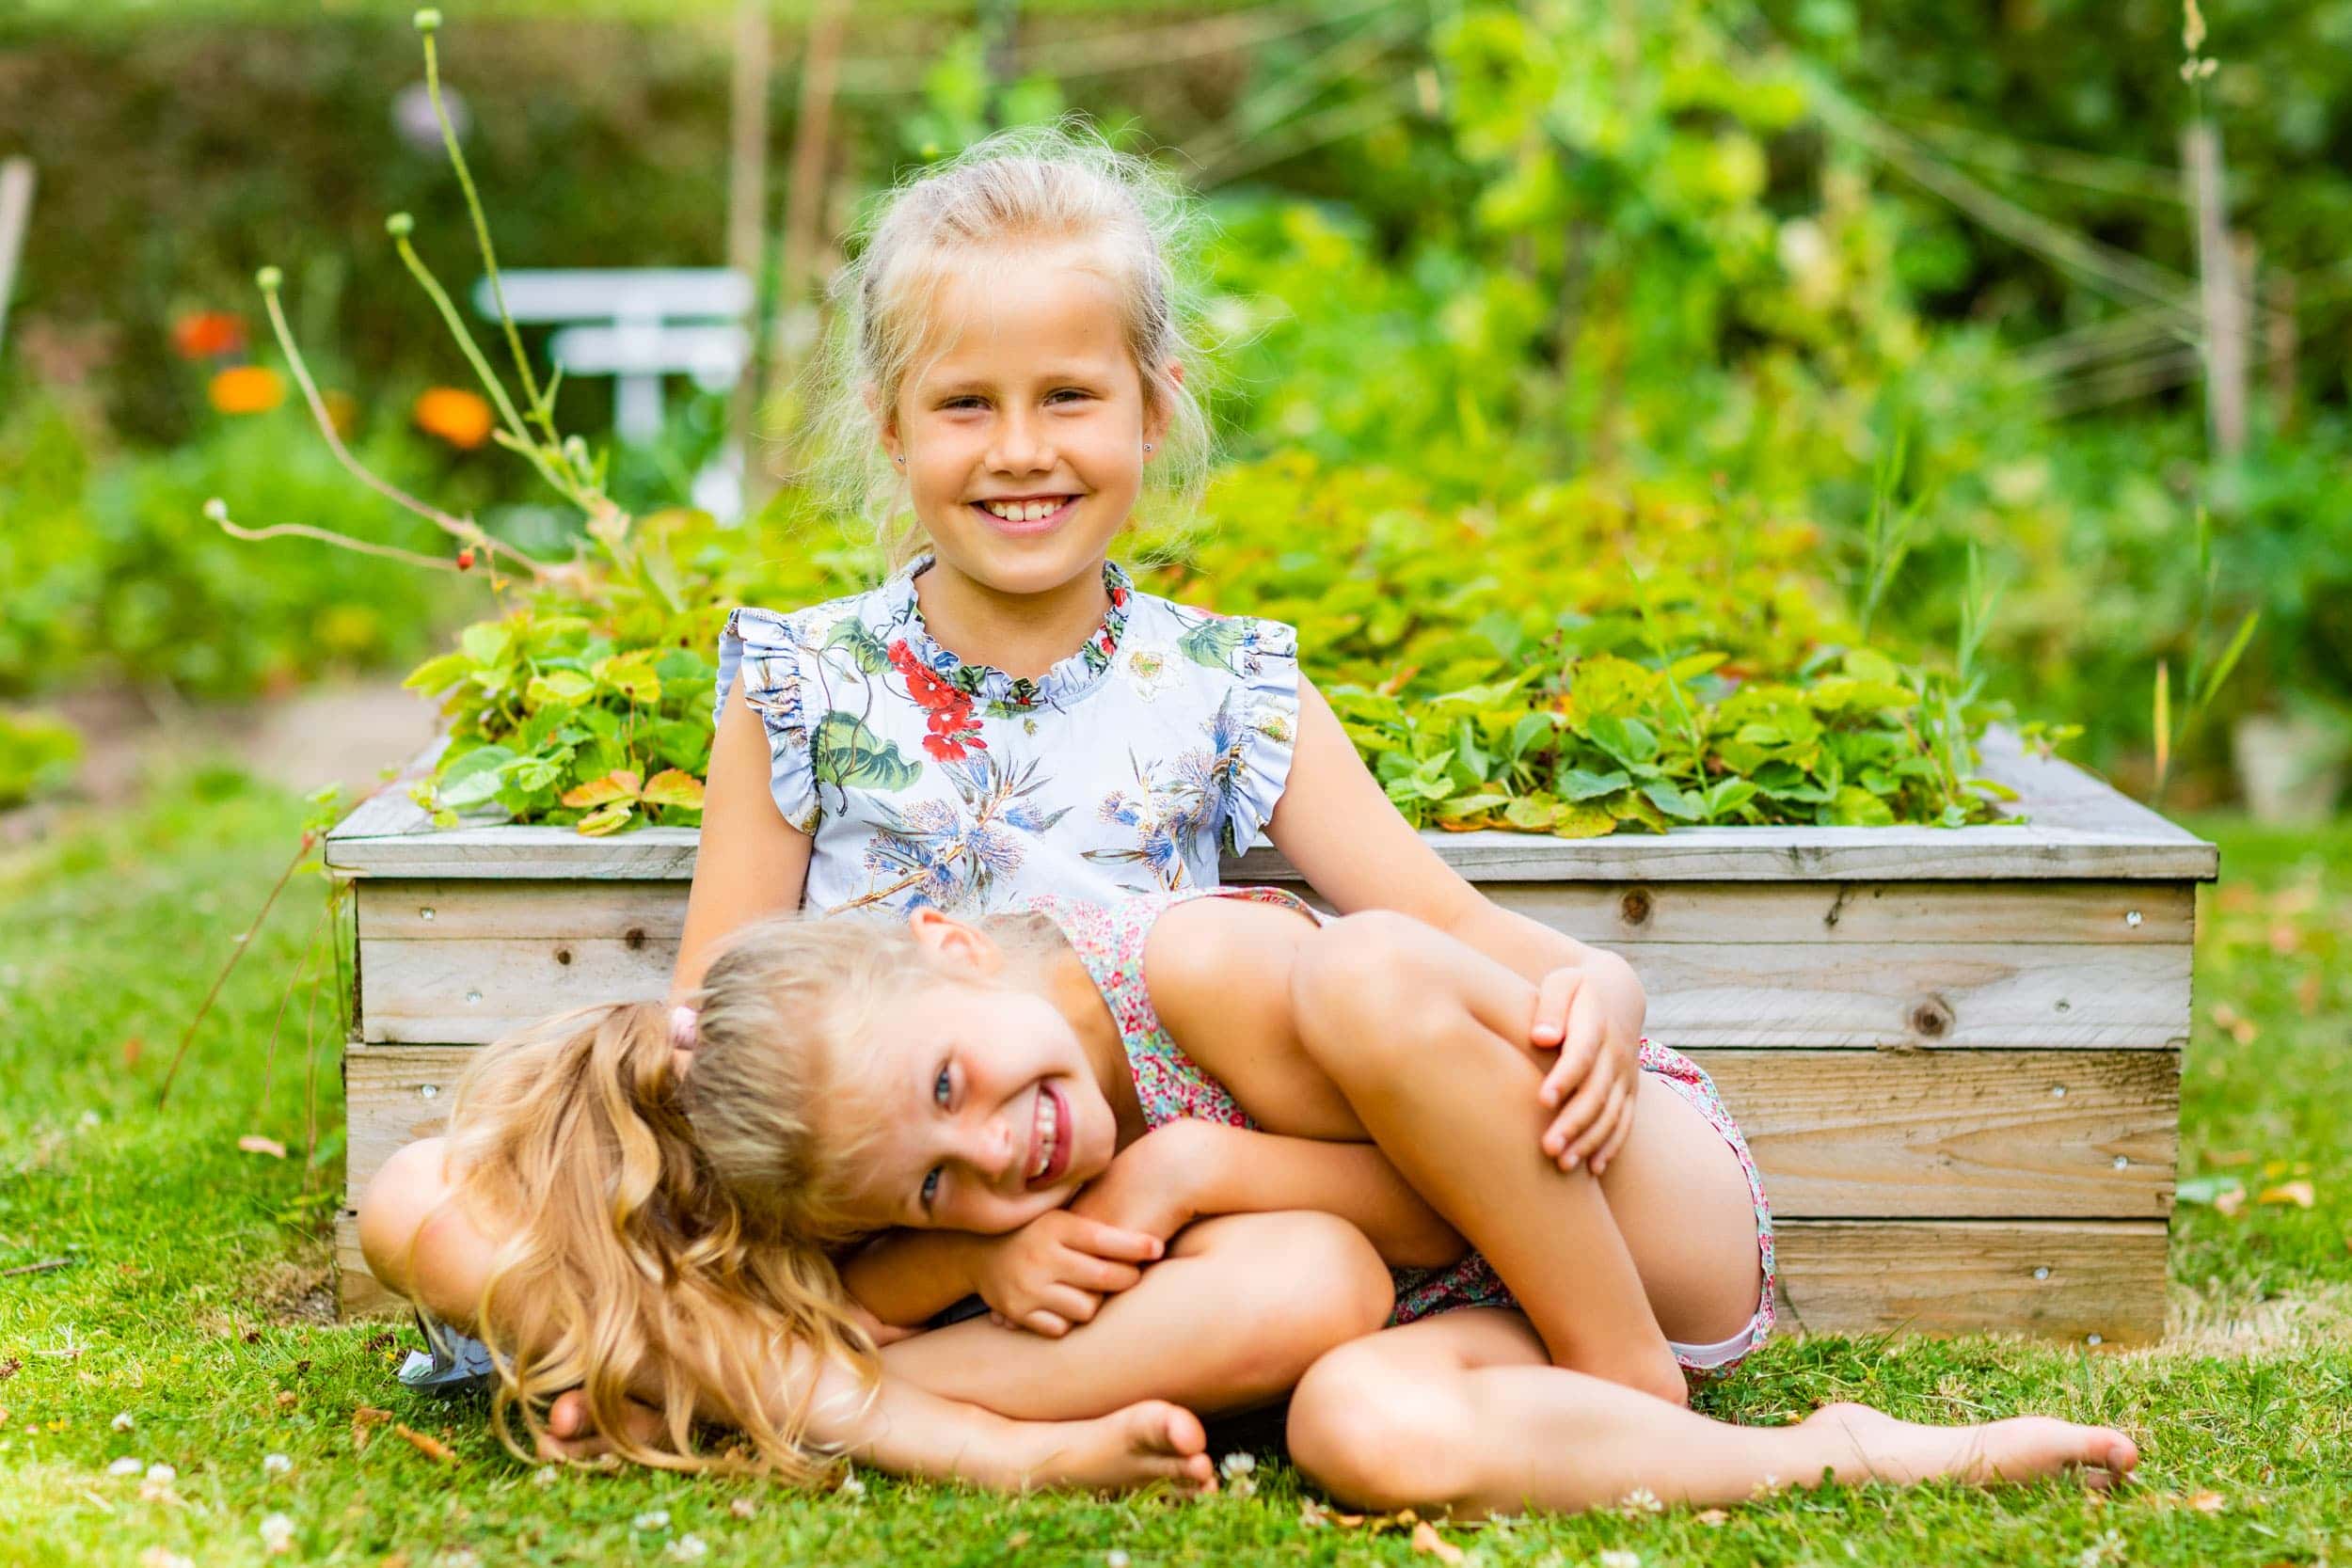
x,y
765,648
1266,659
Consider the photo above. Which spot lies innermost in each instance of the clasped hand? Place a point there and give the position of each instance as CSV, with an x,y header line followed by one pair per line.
x,y
1593,1015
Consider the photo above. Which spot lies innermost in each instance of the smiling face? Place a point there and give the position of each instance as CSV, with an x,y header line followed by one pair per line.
x,y
987,1109
1023,419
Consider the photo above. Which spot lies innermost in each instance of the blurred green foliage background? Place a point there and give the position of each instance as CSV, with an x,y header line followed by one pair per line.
x,y
1757,250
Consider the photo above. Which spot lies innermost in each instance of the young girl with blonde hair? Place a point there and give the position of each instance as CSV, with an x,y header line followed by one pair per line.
x,y
1008,716
1181,1057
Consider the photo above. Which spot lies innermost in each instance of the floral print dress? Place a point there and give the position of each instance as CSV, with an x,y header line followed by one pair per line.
x,y
1169,1085
930,781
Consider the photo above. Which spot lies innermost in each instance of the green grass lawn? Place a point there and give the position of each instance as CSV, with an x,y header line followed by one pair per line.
x,y
196,1305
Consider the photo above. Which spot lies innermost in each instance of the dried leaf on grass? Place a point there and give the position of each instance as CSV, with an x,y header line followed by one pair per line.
x,y
2300,1193
2207,1502
253,1142
1426,1539
425,1444
364,1422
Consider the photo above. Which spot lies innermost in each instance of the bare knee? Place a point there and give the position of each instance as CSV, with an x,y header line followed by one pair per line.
x,y
1355,985
1302,1283
1373,1436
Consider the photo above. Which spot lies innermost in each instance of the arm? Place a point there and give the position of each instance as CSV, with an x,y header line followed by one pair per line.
x,y
1339,828
907,1276
753,862
1188,1169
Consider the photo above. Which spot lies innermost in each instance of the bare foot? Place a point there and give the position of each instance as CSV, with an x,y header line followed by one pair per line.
x,y
1148,1441
1866,1444
570,1434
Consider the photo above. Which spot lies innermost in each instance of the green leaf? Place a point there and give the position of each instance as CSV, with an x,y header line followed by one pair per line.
x,y
485,642
1579,784
1673,802
473,780
1856,807
439,674
568,686
1628,740
844,752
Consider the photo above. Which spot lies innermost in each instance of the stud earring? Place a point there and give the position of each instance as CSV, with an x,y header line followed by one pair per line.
x,y
1147,446
900,461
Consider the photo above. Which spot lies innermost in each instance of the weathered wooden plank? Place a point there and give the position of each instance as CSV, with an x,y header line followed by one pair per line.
x,y
1836,1134
1958,1134
441,911
2137,914
2050,1279
2078,828
1985,995
359,1294
1731,993
2087,1281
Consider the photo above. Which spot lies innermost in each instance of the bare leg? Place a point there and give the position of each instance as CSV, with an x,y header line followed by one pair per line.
x,y
1419,1034
1240,1308
1461,1412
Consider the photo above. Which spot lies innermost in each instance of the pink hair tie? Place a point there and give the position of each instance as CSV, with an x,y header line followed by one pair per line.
x,y
682,1027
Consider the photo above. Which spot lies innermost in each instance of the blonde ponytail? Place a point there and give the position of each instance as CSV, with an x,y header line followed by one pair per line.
x,y
622,1257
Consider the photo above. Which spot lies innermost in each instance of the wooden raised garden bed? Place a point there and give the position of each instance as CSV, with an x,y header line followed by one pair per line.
x,y
1956,1052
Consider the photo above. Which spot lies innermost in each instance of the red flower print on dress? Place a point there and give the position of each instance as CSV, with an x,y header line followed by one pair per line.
x,y
947,712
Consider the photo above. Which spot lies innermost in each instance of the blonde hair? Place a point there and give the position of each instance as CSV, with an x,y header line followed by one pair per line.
x,y
677,1225
1057,182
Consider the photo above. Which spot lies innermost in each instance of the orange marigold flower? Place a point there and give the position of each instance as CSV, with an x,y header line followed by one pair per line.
x,y
246,389
207,335
460,418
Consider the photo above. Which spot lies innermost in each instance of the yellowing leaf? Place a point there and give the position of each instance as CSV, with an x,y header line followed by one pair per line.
x,y
2300,1193
606,820
569,686
673,787
631,676
619,784
427,1445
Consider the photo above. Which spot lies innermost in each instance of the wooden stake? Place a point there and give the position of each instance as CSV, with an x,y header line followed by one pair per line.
x,y
2221,300
747,228
16,219
804,186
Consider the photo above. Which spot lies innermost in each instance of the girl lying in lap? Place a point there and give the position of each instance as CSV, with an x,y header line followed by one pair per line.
x,y
1175,1071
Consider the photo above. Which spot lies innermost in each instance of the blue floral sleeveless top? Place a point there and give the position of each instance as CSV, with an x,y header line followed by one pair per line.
x,y
928,781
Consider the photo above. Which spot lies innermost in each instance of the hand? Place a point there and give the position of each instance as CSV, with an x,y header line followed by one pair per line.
x,y
1053,1271
1593,1016
1159,1183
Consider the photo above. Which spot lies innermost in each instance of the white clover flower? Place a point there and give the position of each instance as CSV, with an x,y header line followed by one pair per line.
x,y
544,1476
162,1475
653,1518
1234,1466
1620,1559
1643,1500
850,1486
688,1548
122,1421
126,1465
1114,1559
276,1534
275,1465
